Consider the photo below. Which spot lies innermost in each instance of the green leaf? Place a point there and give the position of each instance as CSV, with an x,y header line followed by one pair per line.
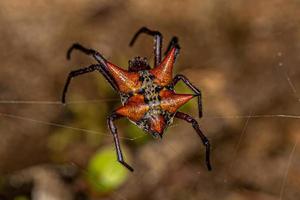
x,y
104,172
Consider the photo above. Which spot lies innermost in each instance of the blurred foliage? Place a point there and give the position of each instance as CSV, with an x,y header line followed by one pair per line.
x,y
2,180
104,173
134,134
84,116
21,198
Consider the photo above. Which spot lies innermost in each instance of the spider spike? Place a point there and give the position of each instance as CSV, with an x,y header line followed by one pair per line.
x,y
126,81
163,72
157,124
134,109
171,102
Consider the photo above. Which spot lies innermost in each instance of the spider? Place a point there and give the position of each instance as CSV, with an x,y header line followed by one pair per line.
x,y
147,94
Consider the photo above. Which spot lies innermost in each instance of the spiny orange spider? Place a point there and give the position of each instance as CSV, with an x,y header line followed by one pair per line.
x,y
147,94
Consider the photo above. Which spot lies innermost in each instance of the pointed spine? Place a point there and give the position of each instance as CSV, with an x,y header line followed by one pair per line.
x,y
171,102
157,124
134,109
163,72
126,81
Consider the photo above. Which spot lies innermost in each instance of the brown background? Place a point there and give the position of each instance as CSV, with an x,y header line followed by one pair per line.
x,y
244,55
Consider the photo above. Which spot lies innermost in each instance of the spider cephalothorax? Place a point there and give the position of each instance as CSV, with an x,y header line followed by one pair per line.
x,y
137,64
147,94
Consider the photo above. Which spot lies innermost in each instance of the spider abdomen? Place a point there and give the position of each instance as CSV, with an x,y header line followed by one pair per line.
x,y
153,107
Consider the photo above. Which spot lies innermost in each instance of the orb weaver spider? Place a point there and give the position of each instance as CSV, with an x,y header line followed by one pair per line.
x,y
147,94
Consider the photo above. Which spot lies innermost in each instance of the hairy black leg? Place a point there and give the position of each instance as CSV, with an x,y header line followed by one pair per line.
x,y
78,72
173,42
113,130
98,57
189,119
179,77
157,42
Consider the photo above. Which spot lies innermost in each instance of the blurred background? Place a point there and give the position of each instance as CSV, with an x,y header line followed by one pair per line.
x,y
243,55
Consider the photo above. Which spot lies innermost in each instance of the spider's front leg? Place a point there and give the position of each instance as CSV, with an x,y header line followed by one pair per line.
x,y
173,42
74,73
205,141
157,42
98,57
90,52
114,132
85,70
192,87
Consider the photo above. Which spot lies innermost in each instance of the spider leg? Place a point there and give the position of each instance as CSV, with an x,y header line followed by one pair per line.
x,y
173,42
205,141
103,68
85,70
98,57
157,42
114,132
90,52
179,77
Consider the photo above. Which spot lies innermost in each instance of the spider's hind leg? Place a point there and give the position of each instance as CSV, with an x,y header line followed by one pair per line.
x,y
173,42
205,141
114,132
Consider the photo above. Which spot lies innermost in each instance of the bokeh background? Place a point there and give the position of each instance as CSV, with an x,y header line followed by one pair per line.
x,y
243,55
